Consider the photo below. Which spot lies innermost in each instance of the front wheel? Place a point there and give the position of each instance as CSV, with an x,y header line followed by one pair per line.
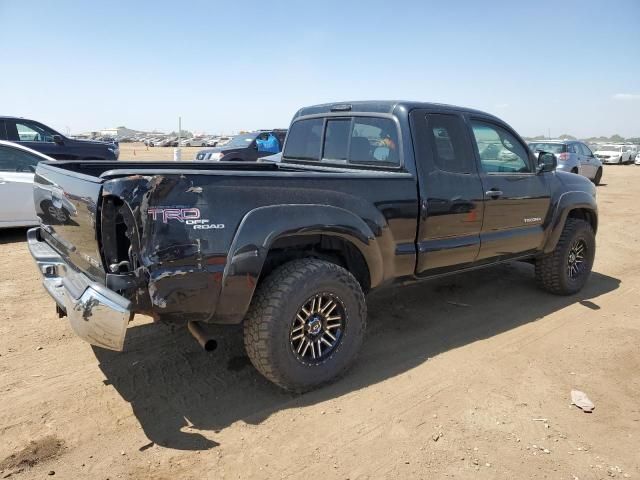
x,y
565,270
306,324
598,177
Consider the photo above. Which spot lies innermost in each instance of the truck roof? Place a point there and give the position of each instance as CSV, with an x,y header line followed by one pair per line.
x,y
379,106
555,140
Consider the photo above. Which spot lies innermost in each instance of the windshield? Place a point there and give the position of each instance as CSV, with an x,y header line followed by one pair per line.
x,y
242,140
548,147
610,148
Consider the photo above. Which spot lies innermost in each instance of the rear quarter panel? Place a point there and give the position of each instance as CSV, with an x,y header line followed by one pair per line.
x,y
186,264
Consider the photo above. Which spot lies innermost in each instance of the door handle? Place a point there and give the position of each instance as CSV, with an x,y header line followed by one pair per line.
x,y
494,193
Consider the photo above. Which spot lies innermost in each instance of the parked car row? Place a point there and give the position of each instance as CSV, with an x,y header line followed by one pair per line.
x,y
248,147
577,157
573,156
184,142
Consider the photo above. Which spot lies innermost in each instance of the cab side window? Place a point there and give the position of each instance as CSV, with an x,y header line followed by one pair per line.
x,y
499,150
25,131
13,160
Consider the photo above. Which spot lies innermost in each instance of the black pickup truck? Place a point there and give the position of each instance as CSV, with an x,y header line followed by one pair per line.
x,y
368,194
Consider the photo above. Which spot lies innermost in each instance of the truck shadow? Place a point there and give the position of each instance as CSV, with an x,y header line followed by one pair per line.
x,y
182,395
13,235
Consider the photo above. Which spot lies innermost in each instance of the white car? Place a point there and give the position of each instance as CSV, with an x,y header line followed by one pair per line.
x,y
637,160
193,142
614,154
217,141
275,158
17,165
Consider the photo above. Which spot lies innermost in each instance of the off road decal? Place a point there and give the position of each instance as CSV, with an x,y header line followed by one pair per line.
x,y
189,216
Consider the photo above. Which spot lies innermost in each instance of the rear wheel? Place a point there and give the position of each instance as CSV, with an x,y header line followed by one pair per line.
x,y
565,270
305,324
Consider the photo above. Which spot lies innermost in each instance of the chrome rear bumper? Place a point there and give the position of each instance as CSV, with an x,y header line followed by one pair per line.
x,y
97,315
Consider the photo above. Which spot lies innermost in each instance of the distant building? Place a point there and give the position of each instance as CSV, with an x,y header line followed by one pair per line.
x,y
118,132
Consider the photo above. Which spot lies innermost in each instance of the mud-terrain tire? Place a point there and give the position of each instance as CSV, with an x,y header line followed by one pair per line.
x,y
558,271
281,310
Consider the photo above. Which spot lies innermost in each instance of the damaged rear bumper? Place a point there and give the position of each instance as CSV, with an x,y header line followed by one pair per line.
x,y
96,314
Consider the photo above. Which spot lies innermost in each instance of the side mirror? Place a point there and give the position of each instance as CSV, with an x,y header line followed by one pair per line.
x,y
57,139
547,162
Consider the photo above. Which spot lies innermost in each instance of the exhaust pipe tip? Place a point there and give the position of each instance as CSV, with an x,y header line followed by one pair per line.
x,y
206,341
209,345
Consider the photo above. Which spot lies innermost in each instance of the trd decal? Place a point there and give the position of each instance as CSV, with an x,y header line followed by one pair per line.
x,y
188,216
180,214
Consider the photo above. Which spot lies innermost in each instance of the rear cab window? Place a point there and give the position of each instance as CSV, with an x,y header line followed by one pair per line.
x,y
348,140
304,140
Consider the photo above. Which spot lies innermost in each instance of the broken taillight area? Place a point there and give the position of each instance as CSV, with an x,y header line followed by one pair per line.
x,y
120,245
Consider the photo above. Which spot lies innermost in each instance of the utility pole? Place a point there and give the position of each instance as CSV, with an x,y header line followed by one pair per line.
x,y
176,151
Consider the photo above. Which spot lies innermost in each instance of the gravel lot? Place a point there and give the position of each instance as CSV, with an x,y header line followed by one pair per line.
x,y
467,376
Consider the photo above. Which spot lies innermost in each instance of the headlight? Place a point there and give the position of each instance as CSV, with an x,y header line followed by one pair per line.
x,y
216,156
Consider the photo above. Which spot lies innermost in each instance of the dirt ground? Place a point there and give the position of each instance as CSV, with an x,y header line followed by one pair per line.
x,y
467,377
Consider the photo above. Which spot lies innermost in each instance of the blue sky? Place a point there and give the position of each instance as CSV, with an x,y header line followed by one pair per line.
x,y
571,67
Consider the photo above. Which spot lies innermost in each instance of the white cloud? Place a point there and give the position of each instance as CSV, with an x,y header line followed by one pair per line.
x,y
627,96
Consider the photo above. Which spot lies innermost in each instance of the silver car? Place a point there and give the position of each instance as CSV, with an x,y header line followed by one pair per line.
x,y
573,156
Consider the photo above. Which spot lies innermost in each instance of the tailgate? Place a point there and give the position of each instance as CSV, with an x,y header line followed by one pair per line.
x,y
67,203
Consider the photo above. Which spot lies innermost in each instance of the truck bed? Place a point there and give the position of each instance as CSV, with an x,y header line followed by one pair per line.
x,y
172,229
